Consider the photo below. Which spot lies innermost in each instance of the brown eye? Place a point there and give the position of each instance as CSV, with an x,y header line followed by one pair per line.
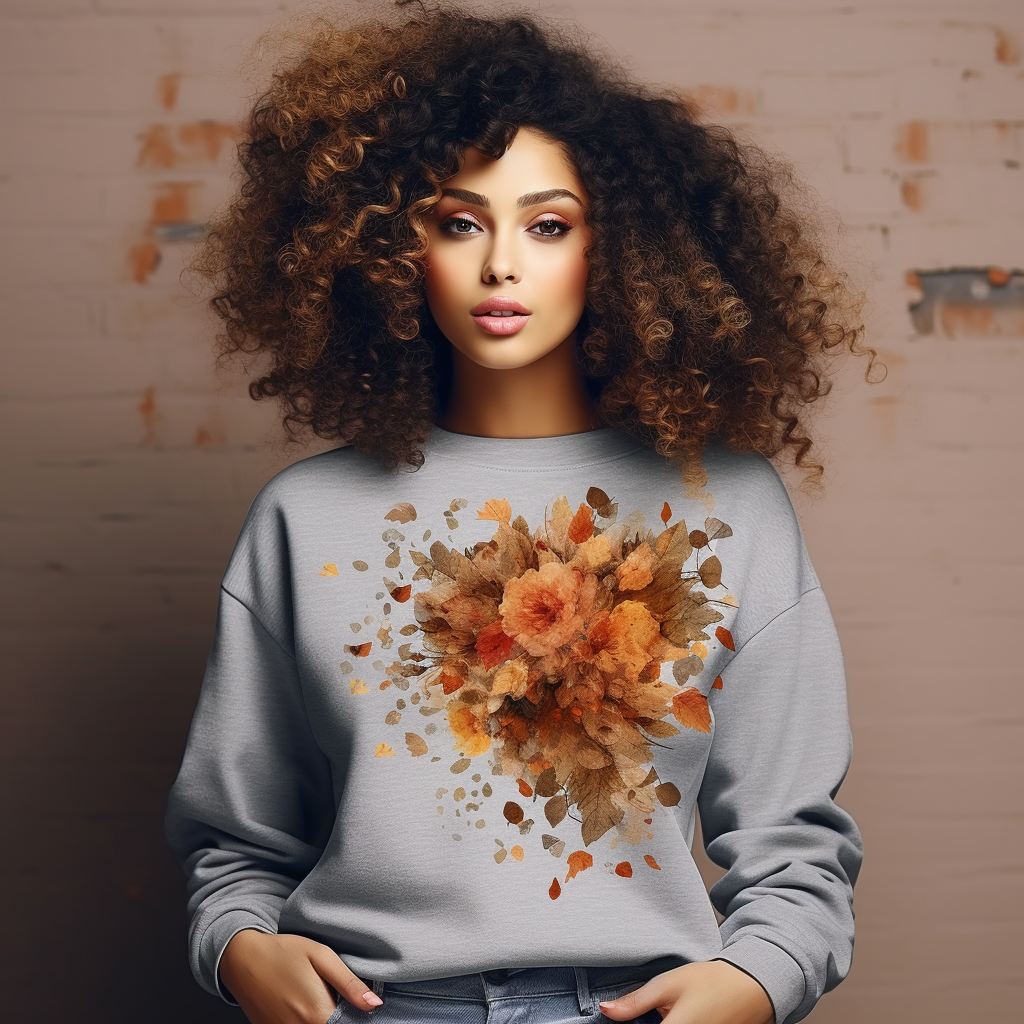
x,y
551,228
459,226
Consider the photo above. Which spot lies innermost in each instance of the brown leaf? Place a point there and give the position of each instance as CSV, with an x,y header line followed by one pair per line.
x,y
417,744
409,630
549,841
393,717
690,708
668,794
460,766
725,638
666,513
578,861
593,791
394,560
556,809
496,509
359,650
597,499
359,565
711,572
698,538
513,813
547,784
660,730
686,667
401,594
554,890
582,526
651,862
403,512
524,788
624,869
716,529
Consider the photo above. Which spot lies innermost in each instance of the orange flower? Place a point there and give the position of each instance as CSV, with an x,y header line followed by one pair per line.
x,y
541,608
470,734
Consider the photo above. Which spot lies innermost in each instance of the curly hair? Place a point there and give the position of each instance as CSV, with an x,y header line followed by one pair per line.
x,y
711,310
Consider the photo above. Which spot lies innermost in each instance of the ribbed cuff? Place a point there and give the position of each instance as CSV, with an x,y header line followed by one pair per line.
x,y
214,941
772,968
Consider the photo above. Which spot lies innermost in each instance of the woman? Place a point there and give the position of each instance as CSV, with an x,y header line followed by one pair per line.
x,y
457,722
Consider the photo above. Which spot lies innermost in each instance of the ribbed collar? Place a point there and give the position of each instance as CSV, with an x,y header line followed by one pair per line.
x,y
526,453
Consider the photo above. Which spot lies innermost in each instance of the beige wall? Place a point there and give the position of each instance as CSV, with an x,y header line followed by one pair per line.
x,y
128,465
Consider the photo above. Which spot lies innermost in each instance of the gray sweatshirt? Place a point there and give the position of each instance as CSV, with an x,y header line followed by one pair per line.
x,y
460,719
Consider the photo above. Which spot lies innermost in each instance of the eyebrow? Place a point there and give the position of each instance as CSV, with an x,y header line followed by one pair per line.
x,y
530,199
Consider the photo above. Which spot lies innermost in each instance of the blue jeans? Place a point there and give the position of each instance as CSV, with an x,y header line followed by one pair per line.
x,y
543,995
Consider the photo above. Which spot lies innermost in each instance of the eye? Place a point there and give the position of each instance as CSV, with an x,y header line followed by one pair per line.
x,y
550,227
459,224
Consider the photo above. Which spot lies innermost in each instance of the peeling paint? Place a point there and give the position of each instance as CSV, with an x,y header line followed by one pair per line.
x,y
193,143
147,410
1007,49
984,301
912,143
143,259
167,88
719,99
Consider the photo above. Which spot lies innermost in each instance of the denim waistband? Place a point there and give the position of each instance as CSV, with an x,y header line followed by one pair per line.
x,y
497,985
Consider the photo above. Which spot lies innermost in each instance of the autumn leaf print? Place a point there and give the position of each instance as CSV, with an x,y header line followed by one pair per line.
x,y
545,650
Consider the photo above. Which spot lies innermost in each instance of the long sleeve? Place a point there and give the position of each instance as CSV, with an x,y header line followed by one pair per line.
x,y
781,749
252,806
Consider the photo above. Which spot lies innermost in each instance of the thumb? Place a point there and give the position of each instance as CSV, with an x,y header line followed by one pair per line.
x,y
636,1003
330,967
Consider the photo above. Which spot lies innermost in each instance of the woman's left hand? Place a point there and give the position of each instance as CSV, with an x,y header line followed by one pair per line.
x,y
714,992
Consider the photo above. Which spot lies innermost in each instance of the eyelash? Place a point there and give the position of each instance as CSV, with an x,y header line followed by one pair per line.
x,y
449,223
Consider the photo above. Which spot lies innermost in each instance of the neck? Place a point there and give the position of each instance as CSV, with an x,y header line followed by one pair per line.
x,y
547,398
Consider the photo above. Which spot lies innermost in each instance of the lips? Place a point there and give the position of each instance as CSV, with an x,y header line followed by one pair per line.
x,y
500,315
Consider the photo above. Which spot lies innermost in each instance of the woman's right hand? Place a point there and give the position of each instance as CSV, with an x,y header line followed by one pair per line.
x,y
288,979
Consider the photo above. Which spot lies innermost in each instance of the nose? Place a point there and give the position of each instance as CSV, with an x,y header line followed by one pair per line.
x,y
502,261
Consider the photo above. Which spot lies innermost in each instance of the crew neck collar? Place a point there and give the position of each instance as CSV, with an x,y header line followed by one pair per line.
x,y
517,454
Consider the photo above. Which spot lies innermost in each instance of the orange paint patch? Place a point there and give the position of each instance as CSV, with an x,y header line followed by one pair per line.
x,y
910,193
206,138
651,862
517,853
725,638
171,204
199,142
624,870
147,410
1007,50
167,87
330,569
143,259
997,276
554,890
912,143
720,99
717,684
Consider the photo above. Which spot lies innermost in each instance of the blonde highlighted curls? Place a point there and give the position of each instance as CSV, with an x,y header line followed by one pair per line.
x,y
711,311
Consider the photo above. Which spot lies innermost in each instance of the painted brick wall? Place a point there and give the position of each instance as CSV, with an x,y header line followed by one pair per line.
x,y
129,463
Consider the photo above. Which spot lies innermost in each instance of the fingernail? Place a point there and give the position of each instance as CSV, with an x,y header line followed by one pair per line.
x,y
610,1002
372,999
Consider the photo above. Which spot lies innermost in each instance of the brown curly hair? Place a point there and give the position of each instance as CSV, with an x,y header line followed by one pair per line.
x,y
711,310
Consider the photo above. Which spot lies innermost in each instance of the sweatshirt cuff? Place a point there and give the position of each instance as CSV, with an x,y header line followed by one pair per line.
x,y
214,941
772,968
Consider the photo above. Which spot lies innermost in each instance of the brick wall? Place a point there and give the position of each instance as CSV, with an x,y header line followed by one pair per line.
x,y
130,461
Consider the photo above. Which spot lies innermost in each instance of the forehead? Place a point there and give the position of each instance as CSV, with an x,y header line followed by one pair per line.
x,y
532,163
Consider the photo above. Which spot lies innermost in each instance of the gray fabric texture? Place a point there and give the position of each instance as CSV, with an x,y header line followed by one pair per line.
x,y
340,791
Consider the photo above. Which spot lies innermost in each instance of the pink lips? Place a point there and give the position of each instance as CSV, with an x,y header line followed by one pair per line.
x,y
500,315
